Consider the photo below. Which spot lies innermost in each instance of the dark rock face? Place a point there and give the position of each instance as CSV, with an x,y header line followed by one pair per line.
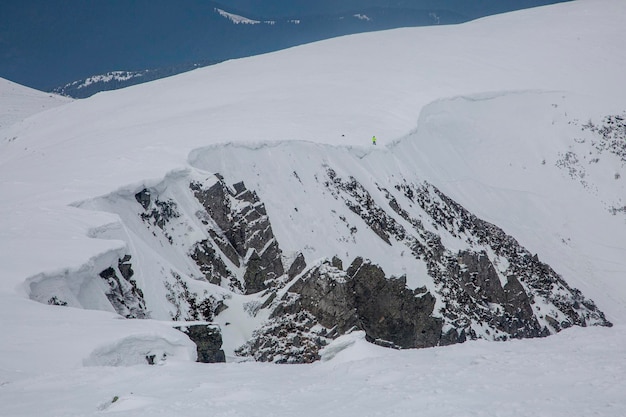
x,y
512,312
245,231
298,265
208,340
123,294
364,298
211,265
390,312
327,302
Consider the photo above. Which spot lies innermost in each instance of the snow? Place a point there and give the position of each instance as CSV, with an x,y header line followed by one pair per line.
x,y
236,19
18,102
105,78
576,372
476,109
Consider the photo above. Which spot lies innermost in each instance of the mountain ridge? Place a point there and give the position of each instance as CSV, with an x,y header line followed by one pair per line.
x,y
237,194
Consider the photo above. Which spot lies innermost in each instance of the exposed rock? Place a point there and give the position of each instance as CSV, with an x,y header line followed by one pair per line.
x,y
157,212
328,302
467,282
297,266
55,301
188,305
288,337
123,293
244,224
389,311
336,263
208,340
143,198
211,265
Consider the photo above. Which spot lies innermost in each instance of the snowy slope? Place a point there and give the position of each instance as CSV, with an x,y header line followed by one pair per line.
x,y
574,373
486,111
356,86
18,102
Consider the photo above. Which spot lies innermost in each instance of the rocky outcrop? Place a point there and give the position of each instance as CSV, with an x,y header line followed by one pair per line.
x,y
481,283
189,305
208,340
475,302
244,231
123,293
528,279
327,302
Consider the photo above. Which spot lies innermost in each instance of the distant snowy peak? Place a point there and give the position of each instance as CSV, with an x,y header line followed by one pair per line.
x,y
240,20
108,77
362,17
119,79
236,19
102,82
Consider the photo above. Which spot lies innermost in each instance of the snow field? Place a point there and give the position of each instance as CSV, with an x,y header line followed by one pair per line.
x,y
422,92
573,373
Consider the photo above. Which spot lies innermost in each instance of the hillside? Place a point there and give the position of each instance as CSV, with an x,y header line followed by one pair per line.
x,y
62,45
18,102
249,194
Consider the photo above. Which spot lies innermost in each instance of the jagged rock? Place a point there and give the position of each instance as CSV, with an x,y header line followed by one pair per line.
x,y
123,293
297,266
292,335
245,226
208,340
335,301
157,212
479,279
188,305
227,249
255,275
527,276
214,269
467,282
389,311
143,198
336,263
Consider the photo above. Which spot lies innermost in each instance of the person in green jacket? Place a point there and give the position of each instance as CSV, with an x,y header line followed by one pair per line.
x,y
373,140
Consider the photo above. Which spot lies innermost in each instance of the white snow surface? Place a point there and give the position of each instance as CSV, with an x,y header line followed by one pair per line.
x,y
574,373
18,102
483,110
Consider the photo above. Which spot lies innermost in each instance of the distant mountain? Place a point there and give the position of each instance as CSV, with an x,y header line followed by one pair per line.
x,y
59,45
119,79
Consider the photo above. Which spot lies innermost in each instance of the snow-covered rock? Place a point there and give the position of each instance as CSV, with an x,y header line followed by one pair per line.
x,y
461,212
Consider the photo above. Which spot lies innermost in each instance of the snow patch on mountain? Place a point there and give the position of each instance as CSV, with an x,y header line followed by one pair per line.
x,y
106,78
236,19
362,17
